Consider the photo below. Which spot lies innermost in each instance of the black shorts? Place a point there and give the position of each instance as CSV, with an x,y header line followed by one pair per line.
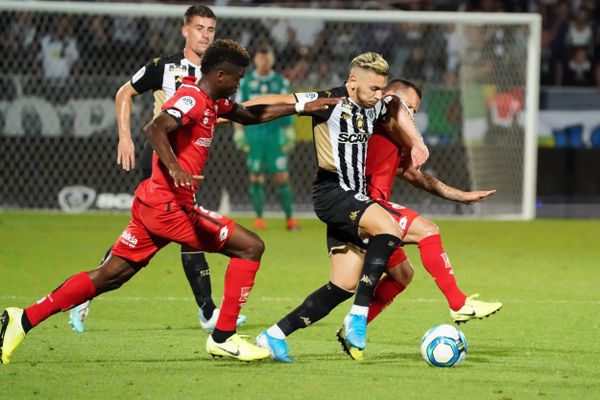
x,y
341,210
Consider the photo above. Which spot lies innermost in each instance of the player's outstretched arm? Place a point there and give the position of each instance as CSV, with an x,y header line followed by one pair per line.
x,y
271,99
259,113
424,181
156,131
125,148
402,129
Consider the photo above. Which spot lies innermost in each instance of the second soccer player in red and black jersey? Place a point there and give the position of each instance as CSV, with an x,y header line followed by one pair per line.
x,y
164,210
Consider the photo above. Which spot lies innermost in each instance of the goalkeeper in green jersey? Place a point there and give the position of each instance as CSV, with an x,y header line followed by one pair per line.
x,y
267,145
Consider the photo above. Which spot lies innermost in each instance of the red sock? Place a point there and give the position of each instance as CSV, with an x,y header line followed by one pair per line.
x,y
74,291
239,280
385,292
436,262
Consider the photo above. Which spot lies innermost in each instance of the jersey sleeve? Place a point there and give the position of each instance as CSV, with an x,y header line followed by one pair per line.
x,y
307,97
186,106
225,106
149,77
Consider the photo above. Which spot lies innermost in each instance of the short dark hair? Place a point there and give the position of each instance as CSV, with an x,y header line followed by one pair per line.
x,y
404,83
264,49
198,10
224,51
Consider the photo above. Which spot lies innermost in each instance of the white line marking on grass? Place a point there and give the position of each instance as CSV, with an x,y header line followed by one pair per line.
x,y
290,299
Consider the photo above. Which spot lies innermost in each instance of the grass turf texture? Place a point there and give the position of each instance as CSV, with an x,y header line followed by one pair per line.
x,y
143,340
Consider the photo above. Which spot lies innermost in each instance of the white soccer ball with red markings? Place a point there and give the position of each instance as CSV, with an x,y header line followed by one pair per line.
x,y
444,346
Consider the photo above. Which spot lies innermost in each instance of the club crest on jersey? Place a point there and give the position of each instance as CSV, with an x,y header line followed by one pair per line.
x,y
185,103
370,114
360,122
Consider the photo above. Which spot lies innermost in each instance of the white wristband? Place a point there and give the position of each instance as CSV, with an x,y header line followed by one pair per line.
x,y
299,107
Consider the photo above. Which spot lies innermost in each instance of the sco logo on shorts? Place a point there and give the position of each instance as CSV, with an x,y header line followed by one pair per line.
x,y
361,197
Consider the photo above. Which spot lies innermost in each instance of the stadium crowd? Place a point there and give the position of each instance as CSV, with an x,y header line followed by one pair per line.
x,y
312,53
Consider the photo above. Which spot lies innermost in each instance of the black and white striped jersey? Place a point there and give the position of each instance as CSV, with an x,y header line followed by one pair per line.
x,y
164,75
341,134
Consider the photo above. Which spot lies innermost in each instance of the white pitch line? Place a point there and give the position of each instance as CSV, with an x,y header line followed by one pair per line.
x,y
292,300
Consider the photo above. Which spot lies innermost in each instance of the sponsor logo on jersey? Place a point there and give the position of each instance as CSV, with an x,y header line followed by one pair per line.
x,y
361,197
370,114
178,69
353,215
345,137
128,239
185,103
203,142
138,74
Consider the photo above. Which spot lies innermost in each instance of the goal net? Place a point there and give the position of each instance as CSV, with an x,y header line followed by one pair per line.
x,y
64,61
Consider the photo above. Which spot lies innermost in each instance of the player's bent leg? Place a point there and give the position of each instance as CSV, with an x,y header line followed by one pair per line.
x,y
385,237
16,323
78,313
245,249
390,286
435,260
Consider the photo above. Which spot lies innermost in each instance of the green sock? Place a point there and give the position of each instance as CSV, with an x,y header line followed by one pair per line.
x,y
257,192
286,198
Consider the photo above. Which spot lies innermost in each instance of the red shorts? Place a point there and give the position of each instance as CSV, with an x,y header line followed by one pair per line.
x,y
405,217
150,229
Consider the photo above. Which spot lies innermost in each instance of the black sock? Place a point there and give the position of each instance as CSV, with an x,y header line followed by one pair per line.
x,y
25,322
198,275
315,307
220,336
378,253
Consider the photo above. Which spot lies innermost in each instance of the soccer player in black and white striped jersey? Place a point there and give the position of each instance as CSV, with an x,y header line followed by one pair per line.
x,y
164,75
341,135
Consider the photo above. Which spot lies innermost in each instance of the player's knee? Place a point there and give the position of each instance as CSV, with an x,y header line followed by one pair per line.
x,y
281,178
430,228
111,275
255,248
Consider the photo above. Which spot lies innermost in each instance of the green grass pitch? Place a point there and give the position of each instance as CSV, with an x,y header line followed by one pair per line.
x,y
143,341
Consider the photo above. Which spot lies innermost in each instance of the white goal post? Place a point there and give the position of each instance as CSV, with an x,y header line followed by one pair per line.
x,y
493,61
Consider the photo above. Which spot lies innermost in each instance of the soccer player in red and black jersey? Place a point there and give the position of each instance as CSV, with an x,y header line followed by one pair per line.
x,y
164,211
387,160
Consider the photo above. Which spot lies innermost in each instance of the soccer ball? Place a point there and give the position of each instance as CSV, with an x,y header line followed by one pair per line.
x,y
444,346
